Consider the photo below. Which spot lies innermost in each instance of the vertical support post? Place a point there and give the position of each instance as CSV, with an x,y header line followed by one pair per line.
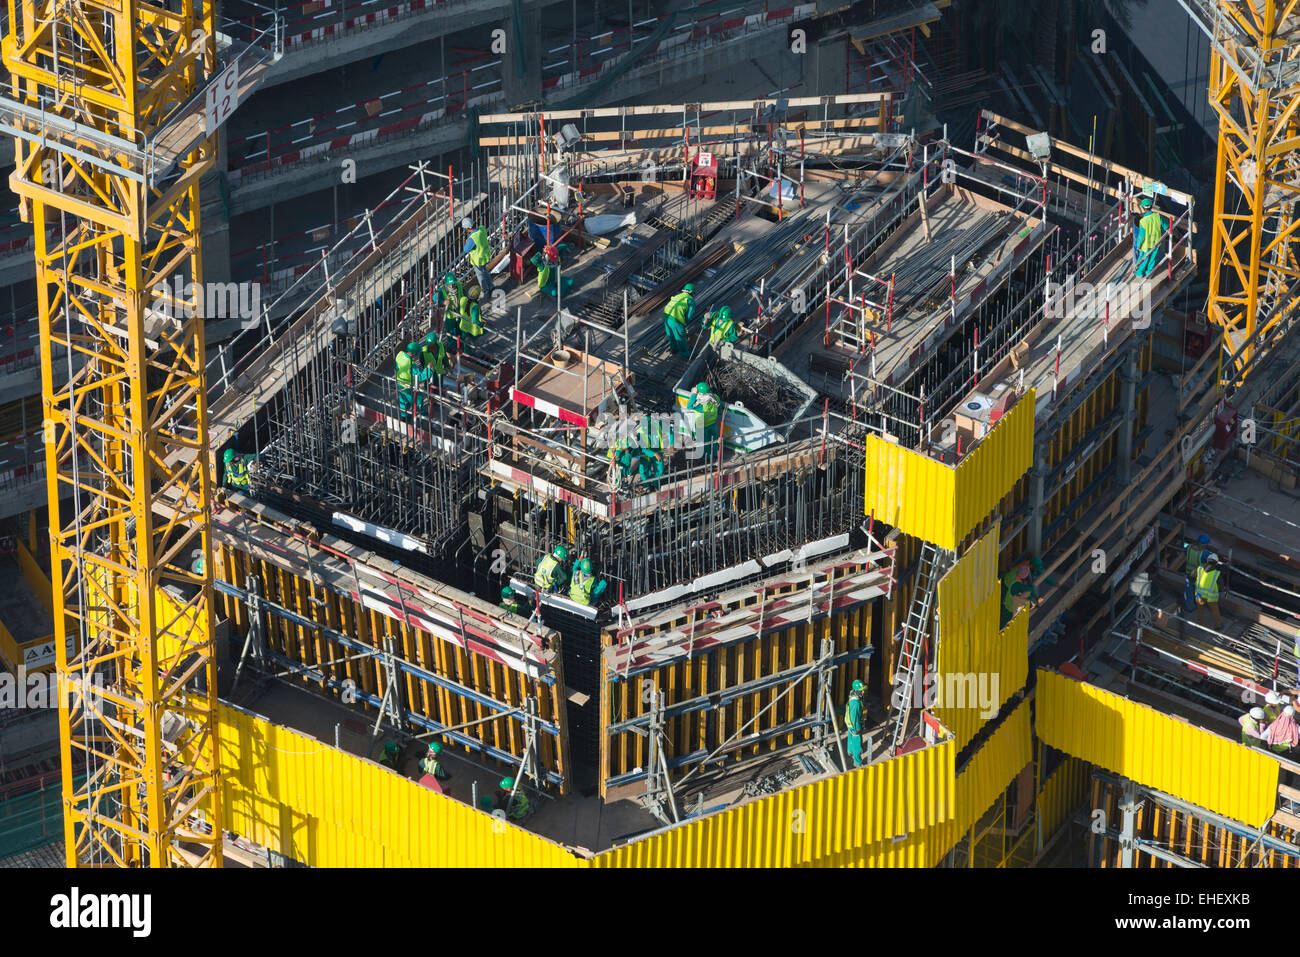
x,y
1128,825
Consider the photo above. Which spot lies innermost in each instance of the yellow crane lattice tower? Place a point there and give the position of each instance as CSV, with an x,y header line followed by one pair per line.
x,y
105,104
1255,90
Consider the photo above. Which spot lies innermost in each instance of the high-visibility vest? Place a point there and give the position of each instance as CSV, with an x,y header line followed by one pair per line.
x,y
545,575
519,806
1153,225
450,293
679,307
581,586
470,322
482,252
403,362
511,605
707,406
237,474
724,329
1207,584
849,720
1194,556
432,361
431,766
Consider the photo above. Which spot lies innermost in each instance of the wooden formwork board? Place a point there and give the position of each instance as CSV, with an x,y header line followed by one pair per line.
x,y
708,697
311,625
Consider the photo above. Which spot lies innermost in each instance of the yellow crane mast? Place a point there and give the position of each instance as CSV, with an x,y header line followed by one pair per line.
x,y
105,102
1255,90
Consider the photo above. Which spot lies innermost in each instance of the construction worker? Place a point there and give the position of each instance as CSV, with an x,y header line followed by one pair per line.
x,y
430,764
487,803
470,321
585,587
1284,734
705,404
649,467
552,572
434,354
722,328
517,807
1147,237
1192,561
1253,727
1035,572
1273,705
392,755
480,254
853,721
236,468
677,318
510,601
1207,588
1016,591
405,363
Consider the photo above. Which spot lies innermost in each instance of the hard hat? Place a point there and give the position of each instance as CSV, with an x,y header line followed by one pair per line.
x,y
467,223
413,348
390,747
485,802
1022,572
702,388
507,784
1146,202
435,747
724,312
228,456
859,686
431,339
1272,698
561,553
1257,713
1211,558
689,287
1036,564
585,565
449,277
1289,711
507,592
1203,538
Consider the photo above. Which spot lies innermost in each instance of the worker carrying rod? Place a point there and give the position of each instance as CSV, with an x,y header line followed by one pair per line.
x,y
677,317
480,254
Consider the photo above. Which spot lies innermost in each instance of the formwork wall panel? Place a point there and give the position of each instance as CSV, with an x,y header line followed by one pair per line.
x,y
1155,749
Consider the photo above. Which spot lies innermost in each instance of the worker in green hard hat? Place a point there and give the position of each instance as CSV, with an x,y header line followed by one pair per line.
x,y
236,469
450,291
392,755
434,354
678,313
430,764
552,572
585,587
510,601
722,328
470,321
853,721
517,807
487,803
705,406
406,362
1146,237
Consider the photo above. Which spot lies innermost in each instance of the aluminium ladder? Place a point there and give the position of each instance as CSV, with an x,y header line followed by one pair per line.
x,y
916,629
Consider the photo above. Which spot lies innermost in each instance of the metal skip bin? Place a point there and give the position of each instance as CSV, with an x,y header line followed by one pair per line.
x,y
761,400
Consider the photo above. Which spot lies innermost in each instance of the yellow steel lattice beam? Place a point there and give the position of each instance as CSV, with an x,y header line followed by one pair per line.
x,y
126,435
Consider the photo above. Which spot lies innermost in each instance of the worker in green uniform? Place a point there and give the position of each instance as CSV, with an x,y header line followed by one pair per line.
x,y
1147,237
853,721
510,601
722,328
434,354
1207,589
705,404
1193,556
450,293
480,254
585,587
1016,591
405,362
470,321
236,467
1035,573
392,755
552,572
430,764
518,807
649,467
677,318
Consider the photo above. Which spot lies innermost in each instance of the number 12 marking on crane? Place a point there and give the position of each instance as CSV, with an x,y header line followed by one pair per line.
x,y
222,98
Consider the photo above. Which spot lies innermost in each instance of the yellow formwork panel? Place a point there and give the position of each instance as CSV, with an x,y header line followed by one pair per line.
x,y
993,767
327,808
836,821
1063,791
941,504
970,581
978,667
1156,750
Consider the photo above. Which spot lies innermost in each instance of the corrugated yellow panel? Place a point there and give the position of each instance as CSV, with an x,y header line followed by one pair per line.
x,y
324,807
993,767
972,578
978,667
1156,750
1063,791
911,492
986,475
833,822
